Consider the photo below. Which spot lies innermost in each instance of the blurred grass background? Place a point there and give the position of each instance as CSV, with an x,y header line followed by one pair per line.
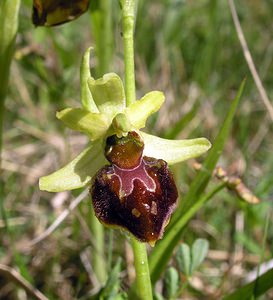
x,y
190,51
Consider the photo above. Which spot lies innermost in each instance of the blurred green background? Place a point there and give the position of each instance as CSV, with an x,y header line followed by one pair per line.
x,y
191,52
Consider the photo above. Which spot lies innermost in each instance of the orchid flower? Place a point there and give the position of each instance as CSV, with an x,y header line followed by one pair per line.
x,y
131,185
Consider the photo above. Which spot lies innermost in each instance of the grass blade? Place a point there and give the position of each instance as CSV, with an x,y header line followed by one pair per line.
x,y
163,252
193,200
253,289
201,180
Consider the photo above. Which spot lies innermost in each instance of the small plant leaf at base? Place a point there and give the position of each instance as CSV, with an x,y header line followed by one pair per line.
x,y
199,251
183,258
171,283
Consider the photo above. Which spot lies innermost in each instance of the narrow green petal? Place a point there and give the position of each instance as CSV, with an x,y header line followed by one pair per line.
x,y
86,96
139,111
93,124
174,151
77,173
108,93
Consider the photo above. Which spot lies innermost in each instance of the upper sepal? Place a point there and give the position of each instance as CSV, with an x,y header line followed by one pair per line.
x,y
108,93
174,151
77,173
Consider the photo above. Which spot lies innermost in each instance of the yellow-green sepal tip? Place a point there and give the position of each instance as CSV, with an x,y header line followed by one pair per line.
x,y
174,151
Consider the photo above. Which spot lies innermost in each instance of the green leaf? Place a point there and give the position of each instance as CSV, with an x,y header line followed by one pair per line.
x,y
194,198
253,289
174,151
77,173
183,258
171,283
9,12
139,111
94,125
86,96
199,251
108,93
201,180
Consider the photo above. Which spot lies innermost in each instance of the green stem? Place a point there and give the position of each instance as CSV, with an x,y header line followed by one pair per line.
x,y
144,289
98,259
128,18
143,282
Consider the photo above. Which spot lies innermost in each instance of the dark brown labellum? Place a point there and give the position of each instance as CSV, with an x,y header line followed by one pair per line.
x,y
139,199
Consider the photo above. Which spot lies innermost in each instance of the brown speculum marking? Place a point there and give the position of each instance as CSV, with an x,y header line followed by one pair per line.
x,y
135,192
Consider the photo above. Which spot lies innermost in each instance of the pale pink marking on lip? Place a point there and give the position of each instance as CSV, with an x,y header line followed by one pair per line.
x,y
127,177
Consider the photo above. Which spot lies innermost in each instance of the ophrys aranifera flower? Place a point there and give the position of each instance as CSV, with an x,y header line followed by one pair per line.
x,y
135,189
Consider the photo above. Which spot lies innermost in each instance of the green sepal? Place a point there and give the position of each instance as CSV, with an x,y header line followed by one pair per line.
x,y
77,173
94,125
174,151
86,96
139,111
108,93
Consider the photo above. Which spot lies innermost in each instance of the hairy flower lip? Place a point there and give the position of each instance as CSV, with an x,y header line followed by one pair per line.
x,y
137,173
143,212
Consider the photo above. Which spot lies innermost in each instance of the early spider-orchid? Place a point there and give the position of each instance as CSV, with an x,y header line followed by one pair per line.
x,y
135,189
